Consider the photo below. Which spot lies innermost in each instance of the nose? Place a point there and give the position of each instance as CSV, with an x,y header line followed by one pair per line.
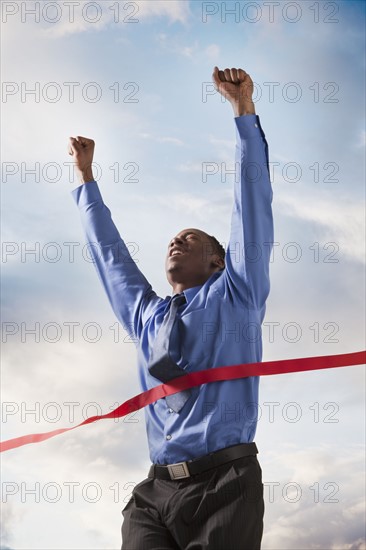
x,y
175,240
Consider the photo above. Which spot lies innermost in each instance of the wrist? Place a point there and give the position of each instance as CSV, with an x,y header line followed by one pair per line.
x,y
85,176
247,108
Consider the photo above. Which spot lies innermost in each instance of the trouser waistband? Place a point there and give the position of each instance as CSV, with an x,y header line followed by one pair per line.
x,y
181,470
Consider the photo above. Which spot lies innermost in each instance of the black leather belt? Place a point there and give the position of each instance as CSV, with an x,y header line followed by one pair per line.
x,y
189,468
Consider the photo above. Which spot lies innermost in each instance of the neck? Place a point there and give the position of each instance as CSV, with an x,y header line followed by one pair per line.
x,y
179,286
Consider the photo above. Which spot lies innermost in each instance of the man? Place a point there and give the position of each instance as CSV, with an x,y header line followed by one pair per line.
x,y
204,488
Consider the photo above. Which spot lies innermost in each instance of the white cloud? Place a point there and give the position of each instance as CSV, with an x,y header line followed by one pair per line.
x,y
11,517
227,143
196,51
188,51
174,10
212,51
204,209
362,139
162,139
325,508
343,221
59,19
190,166
86,18
359,544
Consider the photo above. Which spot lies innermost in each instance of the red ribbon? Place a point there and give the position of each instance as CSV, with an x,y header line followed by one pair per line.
x,y
218,374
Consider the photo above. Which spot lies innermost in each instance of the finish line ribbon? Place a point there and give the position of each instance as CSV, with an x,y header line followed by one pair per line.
x,y
218,374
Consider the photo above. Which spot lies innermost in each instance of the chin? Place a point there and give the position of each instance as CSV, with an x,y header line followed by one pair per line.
x,y
172,268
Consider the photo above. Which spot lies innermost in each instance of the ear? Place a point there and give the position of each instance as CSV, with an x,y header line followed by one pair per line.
x,y
218,262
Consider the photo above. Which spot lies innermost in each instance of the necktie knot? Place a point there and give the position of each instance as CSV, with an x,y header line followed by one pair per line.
x,y
178,300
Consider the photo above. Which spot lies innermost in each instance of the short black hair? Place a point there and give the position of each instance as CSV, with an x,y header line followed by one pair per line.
x,y
217,247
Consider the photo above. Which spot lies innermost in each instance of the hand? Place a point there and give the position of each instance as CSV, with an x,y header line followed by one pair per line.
x,y
236,86
82,149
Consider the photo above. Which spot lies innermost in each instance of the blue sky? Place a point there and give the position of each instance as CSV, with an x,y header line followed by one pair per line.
x,y
310,55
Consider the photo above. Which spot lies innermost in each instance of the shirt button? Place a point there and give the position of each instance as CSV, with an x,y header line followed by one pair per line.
x,y
168,437
255,125
170,410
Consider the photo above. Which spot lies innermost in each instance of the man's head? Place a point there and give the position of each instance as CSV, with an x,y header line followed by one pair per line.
x,y
192,257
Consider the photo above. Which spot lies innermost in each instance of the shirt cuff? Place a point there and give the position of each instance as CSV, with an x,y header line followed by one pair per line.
x,y
86,194
249,126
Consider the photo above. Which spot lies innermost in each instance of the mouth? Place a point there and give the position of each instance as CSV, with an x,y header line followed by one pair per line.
x,y
175,252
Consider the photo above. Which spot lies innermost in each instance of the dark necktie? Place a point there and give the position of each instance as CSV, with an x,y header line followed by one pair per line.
x,y
161,365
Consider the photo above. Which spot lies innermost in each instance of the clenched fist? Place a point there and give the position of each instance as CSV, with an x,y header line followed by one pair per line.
x,y
82,149
236,86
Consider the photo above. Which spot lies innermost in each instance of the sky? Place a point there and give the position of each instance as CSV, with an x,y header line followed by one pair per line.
x,y
136,78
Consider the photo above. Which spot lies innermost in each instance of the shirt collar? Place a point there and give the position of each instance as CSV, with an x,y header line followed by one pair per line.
x,y
190,293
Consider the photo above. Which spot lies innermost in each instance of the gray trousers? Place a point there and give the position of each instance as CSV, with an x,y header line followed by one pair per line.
x,y
220,509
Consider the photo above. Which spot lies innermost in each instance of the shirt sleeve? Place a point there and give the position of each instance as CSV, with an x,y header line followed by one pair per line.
x,y
251,237
129,293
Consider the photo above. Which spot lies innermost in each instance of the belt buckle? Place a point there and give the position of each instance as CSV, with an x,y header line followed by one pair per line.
x,y
178,470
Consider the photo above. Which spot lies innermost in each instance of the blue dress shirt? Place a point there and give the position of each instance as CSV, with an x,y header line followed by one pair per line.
x,y
219,325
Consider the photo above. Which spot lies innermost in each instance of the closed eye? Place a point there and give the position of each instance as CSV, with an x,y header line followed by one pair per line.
x,y
185,236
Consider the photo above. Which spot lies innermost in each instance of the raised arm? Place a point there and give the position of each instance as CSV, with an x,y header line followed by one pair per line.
x,y
251,238
128,291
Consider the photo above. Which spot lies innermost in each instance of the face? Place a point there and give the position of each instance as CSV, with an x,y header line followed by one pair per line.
x,y
190,258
